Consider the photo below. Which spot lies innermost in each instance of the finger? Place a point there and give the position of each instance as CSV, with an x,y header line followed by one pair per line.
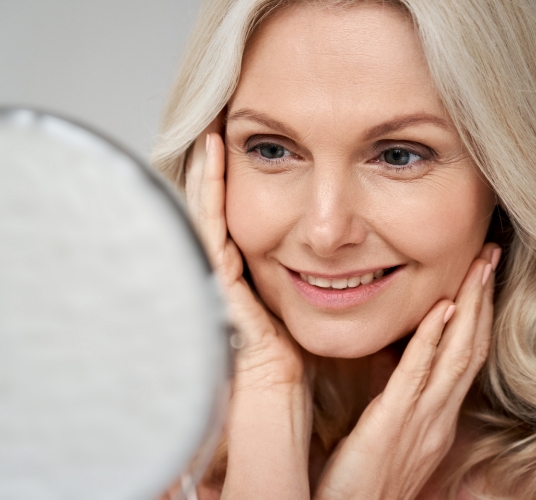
x,y
329,464
486,255
194,174
247,313
409,378
211,204
480,352
212,227
482,338
194,167
455,351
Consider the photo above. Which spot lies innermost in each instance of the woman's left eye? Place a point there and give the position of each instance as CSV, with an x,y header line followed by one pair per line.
x,y
399,157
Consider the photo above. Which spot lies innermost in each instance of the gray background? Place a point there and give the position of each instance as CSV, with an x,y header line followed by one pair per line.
x,y
108,63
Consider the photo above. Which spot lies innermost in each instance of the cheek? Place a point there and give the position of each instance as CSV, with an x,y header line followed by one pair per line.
x,y
442,227
257,218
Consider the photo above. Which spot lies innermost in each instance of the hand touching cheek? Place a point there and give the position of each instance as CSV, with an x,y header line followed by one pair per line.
x,y
348,190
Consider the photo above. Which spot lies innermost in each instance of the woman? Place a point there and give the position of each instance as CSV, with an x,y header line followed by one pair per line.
x,y
354,169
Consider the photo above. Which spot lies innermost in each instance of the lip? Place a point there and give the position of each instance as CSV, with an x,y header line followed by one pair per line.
x,y
331,299
359,272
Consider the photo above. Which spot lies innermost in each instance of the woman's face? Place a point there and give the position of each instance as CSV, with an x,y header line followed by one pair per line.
x,y
342,162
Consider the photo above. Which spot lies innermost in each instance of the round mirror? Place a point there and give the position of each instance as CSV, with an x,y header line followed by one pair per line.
x,y
114,355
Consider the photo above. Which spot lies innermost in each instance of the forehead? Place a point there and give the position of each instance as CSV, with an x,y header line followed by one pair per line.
x,y
334,63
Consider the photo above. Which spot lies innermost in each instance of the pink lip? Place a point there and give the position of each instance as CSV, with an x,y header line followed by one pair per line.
x,y
326,298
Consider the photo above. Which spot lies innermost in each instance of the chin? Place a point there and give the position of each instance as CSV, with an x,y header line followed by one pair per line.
x,y
338,338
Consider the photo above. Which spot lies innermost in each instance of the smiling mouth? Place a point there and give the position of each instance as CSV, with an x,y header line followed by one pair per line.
x,y
346,283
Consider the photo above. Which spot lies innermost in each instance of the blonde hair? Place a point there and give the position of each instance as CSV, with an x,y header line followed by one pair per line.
x,y
482,56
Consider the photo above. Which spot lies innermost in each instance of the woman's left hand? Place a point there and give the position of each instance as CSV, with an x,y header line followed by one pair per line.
x,y
406,431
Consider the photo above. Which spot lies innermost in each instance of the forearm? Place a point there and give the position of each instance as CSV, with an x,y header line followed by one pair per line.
x,y
268,438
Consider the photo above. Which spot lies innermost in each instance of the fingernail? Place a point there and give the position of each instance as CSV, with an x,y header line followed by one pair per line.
x,y
449,312
207,143
495,257
487,272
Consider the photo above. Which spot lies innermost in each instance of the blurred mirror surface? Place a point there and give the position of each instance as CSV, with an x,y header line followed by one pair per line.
x,y
114,358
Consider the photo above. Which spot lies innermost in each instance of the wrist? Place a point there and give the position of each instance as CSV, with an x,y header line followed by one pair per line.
x,y
268,443
270,366
285,405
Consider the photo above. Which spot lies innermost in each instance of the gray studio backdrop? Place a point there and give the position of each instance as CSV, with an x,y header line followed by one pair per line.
x,y
108,63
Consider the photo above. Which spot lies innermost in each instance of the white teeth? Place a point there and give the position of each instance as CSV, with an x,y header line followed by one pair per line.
x,y
323,282
353,282
342,283
339,284
368,278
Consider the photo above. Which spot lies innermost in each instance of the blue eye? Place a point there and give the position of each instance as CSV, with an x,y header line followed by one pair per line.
x,y
272,151
400,157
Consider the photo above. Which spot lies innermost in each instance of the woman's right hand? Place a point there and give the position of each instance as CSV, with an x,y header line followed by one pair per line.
x,y
271,407
268,356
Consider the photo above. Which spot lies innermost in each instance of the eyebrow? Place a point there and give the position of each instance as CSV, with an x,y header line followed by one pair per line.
x,y
402,122
262,119
394,125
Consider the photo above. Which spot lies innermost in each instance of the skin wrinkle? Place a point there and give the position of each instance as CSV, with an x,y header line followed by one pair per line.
x,y
377,131
332,208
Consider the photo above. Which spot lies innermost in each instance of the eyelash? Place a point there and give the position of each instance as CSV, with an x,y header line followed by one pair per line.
x,y
400,168
273,161
284,159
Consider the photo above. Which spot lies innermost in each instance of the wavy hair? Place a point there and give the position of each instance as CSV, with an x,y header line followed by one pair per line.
x,y
482,57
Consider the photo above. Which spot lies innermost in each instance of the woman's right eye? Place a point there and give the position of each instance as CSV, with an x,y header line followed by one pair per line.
x,y
270,151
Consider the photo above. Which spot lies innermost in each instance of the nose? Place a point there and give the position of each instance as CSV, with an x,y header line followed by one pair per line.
x,y
332,214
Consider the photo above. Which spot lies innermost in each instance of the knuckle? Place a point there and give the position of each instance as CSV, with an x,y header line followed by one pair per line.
x,y
460,362
414,382
428,342
438,443
481,354
488,295
415,375
477,306
434,445
202,214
